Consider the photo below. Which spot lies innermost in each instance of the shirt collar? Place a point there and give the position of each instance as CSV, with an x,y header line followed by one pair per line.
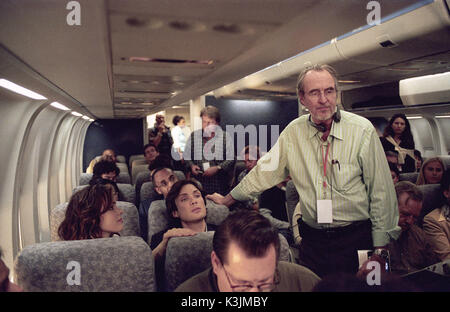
x,y
336,130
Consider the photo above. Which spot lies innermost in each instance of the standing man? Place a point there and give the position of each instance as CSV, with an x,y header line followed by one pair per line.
x,y
160,135
347,200
209,153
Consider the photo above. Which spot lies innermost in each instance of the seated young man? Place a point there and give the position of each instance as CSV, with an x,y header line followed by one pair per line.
x,y
186,208
150,152
245,257
436,224
162,178
105,169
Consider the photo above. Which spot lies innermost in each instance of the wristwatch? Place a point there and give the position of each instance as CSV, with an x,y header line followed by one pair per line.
x,y
384,254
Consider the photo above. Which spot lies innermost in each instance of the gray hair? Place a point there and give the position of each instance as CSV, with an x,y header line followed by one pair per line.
x,y
315,67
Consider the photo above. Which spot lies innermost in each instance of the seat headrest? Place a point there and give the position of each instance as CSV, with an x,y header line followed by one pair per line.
x,y
92,265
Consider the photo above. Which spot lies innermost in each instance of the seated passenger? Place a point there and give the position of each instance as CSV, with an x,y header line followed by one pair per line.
x,y
163,179
187,212
431,171
105,169
412,250
392,157
251,157
5,284
105,178
419,160
272,199
397,136
436,224
92,213
107,154
245,257
150,152
394,172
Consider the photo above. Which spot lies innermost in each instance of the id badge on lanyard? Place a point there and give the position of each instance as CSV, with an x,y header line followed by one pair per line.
x,y
325,206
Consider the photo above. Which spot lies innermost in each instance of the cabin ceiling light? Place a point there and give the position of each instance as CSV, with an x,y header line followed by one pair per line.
x,y
413,117
59,106
20,90
76,114
443,116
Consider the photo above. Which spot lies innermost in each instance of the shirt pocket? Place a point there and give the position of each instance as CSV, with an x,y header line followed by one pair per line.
x,y
347,176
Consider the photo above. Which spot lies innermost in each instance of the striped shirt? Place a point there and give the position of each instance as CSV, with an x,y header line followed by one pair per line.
x,y
218,151
357,180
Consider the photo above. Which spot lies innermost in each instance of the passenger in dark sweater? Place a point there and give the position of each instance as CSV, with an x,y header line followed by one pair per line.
x,y
186,209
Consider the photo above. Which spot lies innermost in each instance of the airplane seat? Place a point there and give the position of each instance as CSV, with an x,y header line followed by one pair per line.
x,y
239,166
188,256
432,199
409,176
85,178
122,167
134,157
130,220
135,170
180,175
142,177
147,191
126,191
158,220
116,264
121,159
123,177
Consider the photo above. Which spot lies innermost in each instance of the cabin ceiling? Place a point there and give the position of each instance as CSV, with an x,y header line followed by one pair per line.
x,y
129,58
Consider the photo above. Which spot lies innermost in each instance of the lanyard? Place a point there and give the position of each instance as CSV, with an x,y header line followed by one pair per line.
x,y
325,160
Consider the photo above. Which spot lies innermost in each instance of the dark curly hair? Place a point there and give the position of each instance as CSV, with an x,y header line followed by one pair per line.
x,y
105,166
82,220
176,119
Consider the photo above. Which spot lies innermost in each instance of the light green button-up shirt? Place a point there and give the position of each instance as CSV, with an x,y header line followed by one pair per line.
x,y
358,180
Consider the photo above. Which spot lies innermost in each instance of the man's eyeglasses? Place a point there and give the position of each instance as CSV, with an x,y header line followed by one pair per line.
x,y
316,94
265,287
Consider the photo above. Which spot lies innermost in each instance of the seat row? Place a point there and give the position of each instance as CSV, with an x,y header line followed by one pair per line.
x,y
119,263
134,194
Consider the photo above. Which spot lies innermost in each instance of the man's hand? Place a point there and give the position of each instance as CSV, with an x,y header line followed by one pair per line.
x,y
162,128
177,232
196,170
221,200
211,171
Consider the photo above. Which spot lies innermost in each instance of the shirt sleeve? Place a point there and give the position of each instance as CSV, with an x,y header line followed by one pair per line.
x,y
176,137
383,208
270,170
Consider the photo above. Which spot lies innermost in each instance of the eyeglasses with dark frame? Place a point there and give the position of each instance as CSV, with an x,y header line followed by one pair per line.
x,y
265,287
